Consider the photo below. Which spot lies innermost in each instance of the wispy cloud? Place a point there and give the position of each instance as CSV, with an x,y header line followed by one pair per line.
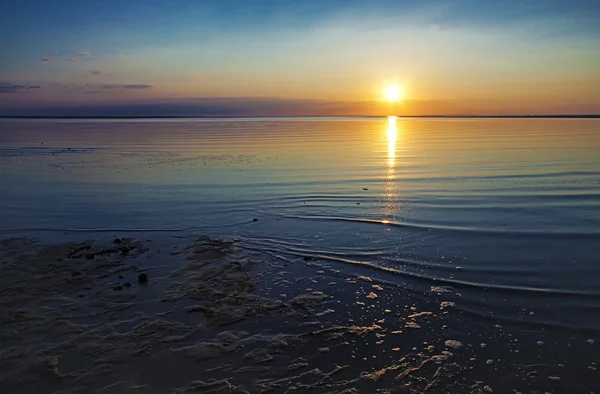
x,y
82,54
49,58
6,87
98,73
130,86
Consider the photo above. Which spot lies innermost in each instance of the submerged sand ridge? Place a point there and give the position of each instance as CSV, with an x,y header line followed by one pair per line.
x,y
213,318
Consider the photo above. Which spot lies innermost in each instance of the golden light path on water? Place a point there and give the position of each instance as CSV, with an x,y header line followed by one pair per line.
x,y
391,187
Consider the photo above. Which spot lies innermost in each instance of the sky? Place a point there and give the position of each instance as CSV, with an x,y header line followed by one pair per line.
x,y
296,58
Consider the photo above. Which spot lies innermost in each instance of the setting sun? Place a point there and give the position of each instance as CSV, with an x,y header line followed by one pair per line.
x,y
393,93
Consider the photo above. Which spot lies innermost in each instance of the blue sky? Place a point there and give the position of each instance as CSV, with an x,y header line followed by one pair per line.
x,y
450,55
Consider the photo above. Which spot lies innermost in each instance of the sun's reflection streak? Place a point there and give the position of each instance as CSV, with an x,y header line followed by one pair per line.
x,y
391,188
392,131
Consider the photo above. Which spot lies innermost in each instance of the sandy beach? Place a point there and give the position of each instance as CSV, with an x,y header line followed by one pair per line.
x,y
200,315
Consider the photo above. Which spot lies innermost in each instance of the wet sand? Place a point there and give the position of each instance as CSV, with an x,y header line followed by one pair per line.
x,y
81,317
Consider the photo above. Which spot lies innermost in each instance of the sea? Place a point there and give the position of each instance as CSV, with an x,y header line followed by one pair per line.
x,y
503,211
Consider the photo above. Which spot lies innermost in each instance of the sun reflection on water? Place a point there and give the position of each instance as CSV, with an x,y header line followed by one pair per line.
x,y
391,140
391,187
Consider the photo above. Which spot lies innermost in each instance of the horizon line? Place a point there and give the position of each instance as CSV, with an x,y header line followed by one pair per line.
x,y
559,116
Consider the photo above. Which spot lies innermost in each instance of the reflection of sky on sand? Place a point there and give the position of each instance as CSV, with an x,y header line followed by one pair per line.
x,y
391,187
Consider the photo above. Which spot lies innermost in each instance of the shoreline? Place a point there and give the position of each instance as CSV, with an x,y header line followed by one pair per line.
x,y
214,317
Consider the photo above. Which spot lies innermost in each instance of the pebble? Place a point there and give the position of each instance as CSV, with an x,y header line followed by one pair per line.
x,y
489,362
540,343
590,341
143,278
483,344
127,284
75,273
554,377
451,343
372,295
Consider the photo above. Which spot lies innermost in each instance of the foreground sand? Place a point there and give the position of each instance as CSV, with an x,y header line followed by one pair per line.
x,y
211,318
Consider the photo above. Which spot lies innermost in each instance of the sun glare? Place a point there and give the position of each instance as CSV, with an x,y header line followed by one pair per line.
x,y
393,93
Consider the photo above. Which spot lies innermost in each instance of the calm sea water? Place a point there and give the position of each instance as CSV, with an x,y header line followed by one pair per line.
x,y
505,211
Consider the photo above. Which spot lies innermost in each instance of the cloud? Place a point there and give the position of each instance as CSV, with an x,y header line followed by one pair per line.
x,y
82,54
99,73
130,86
6,87
72,59
49,58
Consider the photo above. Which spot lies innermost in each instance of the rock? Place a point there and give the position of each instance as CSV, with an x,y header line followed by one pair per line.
x,y
75,273
121,277
127,284
143,278
118,287
117,241
372,295
255,220
451,343
489,362
52,366
90,256
364,188
590,341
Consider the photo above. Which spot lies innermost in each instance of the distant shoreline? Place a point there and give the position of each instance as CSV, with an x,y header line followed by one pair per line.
x,y
589,116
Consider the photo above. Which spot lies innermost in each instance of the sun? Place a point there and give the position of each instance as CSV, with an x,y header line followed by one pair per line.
x,y
393,93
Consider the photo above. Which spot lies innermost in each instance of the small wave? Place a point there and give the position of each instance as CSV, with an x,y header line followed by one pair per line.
x,y
436,280
413,225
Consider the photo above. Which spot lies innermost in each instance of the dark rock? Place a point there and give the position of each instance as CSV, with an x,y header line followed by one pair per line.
x,y
5,262
309,258
143,278
119,287
80,295
75,273
121,276
117,241
255,220
90,256
127,284
364,188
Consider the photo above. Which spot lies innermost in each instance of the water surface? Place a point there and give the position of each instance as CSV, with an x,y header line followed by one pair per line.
x,y
506,211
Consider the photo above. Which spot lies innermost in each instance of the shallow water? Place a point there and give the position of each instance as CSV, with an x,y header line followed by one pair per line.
x,y
506,211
